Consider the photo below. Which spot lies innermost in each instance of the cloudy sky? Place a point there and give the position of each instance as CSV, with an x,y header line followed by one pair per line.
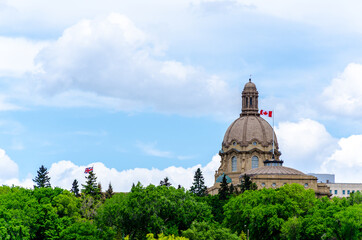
x,y
142,90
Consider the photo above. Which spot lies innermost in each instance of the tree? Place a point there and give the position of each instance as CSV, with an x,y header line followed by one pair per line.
x,y
247,184
151,209
42,179
224,191
91,186
265,211
198,187
165,182
75,188
109,192
210,231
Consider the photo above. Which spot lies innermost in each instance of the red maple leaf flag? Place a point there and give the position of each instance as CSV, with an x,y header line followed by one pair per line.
x,y
266,113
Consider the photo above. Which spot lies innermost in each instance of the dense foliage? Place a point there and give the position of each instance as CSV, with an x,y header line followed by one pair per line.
x,y
152,209
164,212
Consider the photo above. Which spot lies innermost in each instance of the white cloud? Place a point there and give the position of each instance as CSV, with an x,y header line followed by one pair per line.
x,y
346,161
343,95
111,59
9,172
333,15
304,144
307,146
8,168
64,172
151,150
17,55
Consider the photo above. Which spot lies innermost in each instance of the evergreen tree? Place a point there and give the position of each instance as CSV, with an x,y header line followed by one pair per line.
x,y
109,192
165,182
247,184
42,179
224,191
91,187
75,188
198,186
231,189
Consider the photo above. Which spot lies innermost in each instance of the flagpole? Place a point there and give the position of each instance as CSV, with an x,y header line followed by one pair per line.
x,y
273,133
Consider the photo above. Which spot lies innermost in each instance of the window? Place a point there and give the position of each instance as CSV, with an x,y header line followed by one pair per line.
x,y
343,192
306,185
251,102
352,191
335,192
254,162
263,184
330,191
254,143
233,164
274,184
234,143
348,191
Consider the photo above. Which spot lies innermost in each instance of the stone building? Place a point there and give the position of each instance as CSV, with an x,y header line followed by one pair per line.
x,y
250,147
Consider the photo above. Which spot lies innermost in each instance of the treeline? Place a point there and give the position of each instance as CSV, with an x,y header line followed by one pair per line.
x,y
166,212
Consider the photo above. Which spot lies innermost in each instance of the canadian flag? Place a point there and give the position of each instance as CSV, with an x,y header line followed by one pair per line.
x,y
266,113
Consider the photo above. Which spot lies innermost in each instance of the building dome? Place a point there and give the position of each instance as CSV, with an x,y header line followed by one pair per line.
x,y
250,86
219,179
273,170
249,129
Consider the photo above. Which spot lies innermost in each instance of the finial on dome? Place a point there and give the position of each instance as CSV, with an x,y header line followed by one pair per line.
x,y
250,78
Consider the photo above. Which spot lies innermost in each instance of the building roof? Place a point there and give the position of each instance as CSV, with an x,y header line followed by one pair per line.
x,y
219,178
247,129
273,170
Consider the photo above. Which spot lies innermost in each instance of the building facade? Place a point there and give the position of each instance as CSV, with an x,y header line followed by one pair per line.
x,y
250,147
344,189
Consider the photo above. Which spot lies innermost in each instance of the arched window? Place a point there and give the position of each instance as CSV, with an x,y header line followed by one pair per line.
x,y
254,162
233,164
251,101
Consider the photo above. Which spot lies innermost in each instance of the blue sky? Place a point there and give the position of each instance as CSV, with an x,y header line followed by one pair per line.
x,y
147,90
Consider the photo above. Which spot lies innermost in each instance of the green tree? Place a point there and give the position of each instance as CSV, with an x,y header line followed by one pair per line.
x,y
198,186
264,212
247,184
151,209
224,191
208,231
165,182
355,198
91,187
109,192
42,179
349,223
292,229
75,188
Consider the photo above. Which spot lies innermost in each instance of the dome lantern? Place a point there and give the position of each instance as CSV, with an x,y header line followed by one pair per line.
x,y
250,97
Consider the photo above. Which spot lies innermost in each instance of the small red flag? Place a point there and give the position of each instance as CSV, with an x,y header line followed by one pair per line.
x,y
88,170
266,113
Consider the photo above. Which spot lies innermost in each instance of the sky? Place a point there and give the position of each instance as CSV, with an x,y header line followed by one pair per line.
x,y
143,90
